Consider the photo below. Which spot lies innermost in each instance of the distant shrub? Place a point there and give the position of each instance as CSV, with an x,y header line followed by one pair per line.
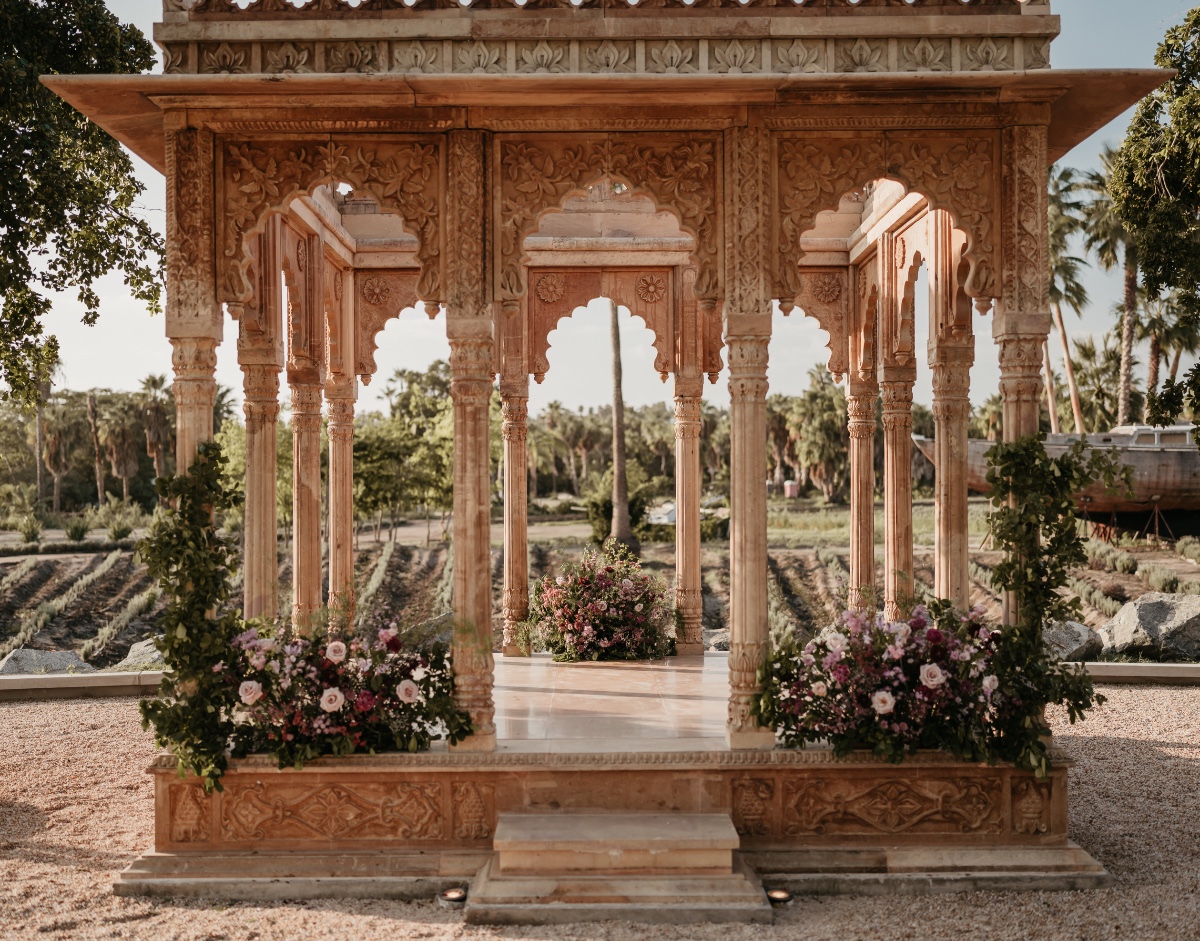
x,y
77,528
30,528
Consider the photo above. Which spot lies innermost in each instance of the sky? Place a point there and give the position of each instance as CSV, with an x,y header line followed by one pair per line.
x,y
127,344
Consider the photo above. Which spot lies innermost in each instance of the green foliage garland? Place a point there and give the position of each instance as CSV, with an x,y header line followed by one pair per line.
x,y
193,565
1034,523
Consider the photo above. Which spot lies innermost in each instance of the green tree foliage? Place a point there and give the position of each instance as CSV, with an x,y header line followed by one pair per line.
x,y
820,436
1155,185
1099,372
68,196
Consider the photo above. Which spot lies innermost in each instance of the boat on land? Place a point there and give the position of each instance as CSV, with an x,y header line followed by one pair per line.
x,y
1165,463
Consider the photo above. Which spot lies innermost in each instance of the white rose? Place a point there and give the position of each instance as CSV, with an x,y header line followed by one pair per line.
x,y
837,643
335,651
883,702
250,692
932,676
903,632
407,691
819,688
991,684
419,674
332,700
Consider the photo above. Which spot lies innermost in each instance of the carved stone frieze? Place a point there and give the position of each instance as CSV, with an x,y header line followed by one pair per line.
x,y
474,811
466,290
379,296
537,174
262,176
753,806
191,300
252,813
931,805
748,198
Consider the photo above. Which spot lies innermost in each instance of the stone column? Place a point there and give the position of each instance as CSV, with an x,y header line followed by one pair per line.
x,y
194,320
747,535
306,503
861,409
471,389
195,361
514,404
897,494
687,517
340,400
260,564
951,411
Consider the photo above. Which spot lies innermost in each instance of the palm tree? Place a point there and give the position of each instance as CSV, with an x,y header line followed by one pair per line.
x,y
621,530
93,417
1099,373
62,432
1065,287
156,418
1184,339
119,432
1113,243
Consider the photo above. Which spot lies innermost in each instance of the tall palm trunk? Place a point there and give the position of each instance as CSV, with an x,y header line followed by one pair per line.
x,y
93,417
621,530
1051,393
1152,373
1175,364
1069,369
1128,334
40,432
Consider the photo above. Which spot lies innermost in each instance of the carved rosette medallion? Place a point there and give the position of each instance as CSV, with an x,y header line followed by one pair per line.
x,y
551,287
651,288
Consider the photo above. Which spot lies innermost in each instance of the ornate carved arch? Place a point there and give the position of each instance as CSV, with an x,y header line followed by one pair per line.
x,y
955,171
556,293
258,177
680,173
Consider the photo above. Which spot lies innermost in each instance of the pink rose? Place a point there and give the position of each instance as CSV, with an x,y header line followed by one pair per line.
x,y
408,691
250,692
332,700
335,651
883,702
932,676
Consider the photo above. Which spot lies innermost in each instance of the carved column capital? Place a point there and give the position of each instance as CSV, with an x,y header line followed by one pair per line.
x,y
1021,368
748,357
341,419
688,423
515,413
195,361
897,405
861,412
306,407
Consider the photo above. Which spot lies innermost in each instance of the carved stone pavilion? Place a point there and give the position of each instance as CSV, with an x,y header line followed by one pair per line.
x,y
329,166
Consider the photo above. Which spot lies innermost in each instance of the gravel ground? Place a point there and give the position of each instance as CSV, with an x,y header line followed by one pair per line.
x,y
75,807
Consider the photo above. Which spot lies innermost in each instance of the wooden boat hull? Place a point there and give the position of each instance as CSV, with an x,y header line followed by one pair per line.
x,y
1166,478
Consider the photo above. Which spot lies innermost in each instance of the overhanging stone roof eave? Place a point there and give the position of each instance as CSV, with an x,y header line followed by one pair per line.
x,y
131,107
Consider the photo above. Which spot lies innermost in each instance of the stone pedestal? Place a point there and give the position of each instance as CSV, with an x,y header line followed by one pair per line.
x,y
688,599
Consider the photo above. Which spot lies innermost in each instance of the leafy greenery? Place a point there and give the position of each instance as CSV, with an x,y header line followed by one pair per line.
x,y
1035,525
68,196
193,565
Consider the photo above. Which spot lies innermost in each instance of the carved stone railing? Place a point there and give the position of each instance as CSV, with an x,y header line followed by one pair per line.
x,y
772,37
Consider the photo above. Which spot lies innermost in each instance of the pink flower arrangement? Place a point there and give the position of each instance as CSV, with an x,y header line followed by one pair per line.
x,y
893,687
302,697
603,607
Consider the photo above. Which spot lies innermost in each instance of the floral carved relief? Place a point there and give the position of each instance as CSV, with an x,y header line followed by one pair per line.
x,y
824,296
259,177
474,811
753,800
681,175
191,810
379,296
954,173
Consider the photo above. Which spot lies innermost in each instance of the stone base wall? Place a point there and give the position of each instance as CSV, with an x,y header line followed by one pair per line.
x,y
441,803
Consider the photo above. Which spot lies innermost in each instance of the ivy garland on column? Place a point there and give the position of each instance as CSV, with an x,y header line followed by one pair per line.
x,y
193,564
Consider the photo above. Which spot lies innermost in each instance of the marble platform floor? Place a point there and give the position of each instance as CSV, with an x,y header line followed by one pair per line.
x,y
678,704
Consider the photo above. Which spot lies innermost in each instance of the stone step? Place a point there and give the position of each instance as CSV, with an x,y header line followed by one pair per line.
x,y
664,898
554,844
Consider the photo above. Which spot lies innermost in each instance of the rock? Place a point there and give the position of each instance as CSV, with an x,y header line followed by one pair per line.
x,y
1072,642
141,656
717,640
1163,626
24,661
